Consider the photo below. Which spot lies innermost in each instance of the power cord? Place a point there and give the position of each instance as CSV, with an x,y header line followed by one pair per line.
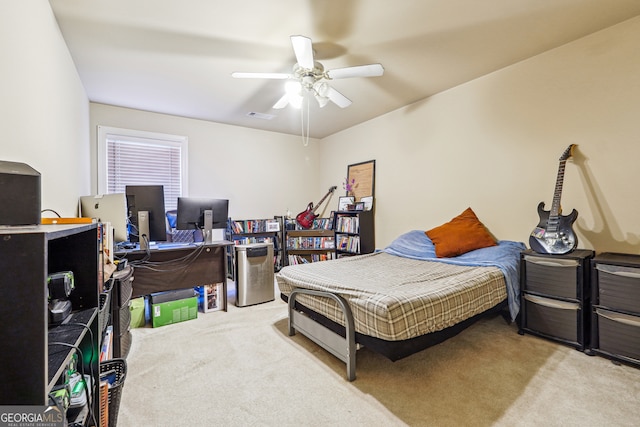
x,y
82,371
50,210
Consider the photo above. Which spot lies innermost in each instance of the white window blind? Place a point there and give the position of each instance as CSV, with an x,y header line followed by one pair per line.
x,y
132,160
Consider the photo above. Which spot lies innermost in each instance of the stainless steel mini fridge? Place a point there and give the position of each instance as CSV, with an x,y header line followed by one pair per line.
x,y
254,274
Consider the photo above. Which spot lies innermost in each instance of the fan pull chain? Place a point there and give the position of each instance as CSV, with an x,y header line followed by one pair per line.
x,y
305,137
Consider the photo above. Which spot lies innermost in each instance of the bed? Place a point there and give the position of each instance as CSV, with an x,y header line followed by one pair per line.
x,y
399,300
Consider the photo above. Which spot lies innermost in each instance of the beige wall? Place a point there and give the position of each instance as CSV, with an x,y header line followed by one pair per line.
x,y
44,110
261,173
494,144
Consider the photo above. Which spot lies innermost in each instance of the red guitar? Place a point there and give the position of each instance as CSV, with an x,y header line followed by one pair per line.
x,y
305,218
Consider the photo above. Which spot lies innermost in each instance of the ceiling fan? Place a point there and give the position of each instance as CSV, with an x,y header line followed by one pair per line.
x,y
309,76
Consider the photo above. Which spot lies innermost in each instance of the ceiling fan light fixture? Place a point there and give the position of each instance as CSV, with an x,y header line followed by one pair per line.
x,y
320,91
293,87
294,93
309,78
321,88
322,101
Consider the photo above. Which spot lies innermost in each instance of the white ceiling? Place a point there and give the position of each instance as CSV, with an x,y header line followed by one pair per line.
x,y
176,56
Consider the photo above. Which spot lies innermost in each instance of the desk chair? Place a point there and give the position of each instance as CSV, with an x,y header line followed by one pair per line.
x,y
181,236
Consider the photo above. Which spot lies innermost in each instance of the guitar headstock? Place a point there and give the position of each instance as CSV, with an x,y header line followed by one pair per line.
x,y
332,188
567,153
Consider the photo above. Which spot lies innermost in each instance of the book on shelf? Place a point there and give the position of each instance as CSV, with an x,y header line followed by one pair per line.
x,y
310,243
246,240
299,259
348,224
318,224
106,352
254,226
348,243
323,223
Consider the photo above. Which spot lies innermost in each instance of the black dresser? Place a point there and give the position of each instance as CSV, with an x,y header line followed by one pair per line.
x,y
615,315
555,296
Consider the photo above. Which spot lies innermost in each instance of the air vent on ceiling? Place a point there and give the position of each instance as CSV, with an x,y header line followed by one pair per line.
x,y
260,115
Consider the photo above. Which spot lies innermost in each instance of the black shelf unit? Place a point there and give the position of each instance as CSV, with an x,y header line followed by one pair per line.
x,y
555,296
247,231
615,315
32,362
354,232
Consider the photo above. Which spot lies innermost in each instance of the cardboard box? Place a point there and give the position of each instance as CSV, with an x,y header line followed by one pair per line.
x,y
176,311
138,319
160,297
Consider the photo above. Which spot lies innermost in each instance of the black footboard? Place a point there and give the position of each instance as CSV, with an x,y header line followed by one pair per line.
x,y
396,350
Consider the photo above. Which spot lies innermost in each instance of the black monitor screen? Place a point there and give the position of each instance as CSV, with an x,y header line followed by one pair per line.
x,y
191,212
148,198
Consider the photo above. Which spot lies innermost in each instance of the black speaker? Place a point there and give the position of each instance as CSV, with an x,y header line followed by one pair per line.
x,y
20,194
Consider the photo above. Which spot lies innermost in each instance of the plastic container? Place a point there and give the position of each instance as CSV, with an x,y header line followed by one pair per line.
x,y
117,367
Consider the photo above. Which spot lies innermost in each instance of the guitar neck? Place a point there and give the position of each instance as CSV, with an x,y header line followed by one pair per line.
x,y
322,200
555,205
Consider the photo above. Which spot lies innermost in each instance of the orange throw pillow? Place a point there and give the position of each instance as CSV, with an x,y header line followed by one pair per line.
x,y
462,234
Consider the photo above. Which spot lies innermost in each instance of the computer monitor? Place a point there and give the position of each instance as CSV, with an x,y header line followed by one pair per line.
x,y
111,208
203,214
145,204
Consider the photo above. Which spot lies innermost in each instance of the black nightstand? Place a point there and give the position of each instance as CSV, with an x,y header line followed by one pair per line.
x,y
555,296
615,316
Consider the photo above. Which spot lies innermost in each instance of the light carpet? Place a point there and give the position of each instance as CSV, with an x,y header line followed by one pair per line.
x,y
240,368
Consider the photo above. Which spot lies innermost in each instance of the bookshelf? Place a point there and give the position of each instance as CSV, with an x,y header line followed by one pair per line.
x,y
354,232
247,231
312,245
38,355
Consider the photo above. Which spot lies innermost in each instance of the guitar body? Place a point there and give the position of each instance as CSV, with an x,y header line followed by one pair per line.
x,y
554,234
306,217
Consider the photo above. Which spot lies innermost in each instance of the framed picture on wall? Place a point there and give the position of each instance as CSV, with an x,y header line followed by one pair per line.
x,y
344,202
272,225
368,202
361,177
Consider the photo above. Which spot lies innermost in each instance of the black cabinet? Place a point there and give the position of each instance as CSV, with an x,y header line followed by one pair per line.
x,y
37,355
555,297
355,232
615,315
121,290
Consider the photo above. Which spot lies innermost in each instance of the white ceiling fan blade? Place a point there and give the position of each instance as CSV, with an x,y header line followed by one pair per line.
x,y
303,49
370,70
282,102
280,76
337,98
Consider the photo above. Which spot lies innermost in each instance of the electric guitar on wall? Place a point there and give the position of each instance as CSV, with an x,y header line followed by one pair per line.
x,y
554,234
306,217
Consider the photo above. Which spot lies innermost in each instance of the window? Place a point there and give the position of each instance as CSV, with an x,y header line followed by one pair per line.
x,y
129,157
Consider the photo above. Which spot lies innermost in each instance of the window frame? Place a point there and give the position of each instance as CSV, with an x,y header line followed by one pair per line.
x,y
107,132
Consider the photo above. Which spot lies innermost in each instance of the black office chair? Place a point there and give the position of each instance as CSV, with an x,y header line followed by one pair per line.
x,y
181,236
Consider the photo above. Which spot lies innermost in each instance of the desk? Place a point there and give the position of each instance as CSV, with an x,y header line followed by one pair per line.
x,y
173,266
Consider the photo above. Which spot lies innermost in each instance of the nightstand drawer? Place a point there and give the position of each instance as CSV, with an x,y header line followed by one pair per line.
x,y
553,318
618,287
617,334
553,277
